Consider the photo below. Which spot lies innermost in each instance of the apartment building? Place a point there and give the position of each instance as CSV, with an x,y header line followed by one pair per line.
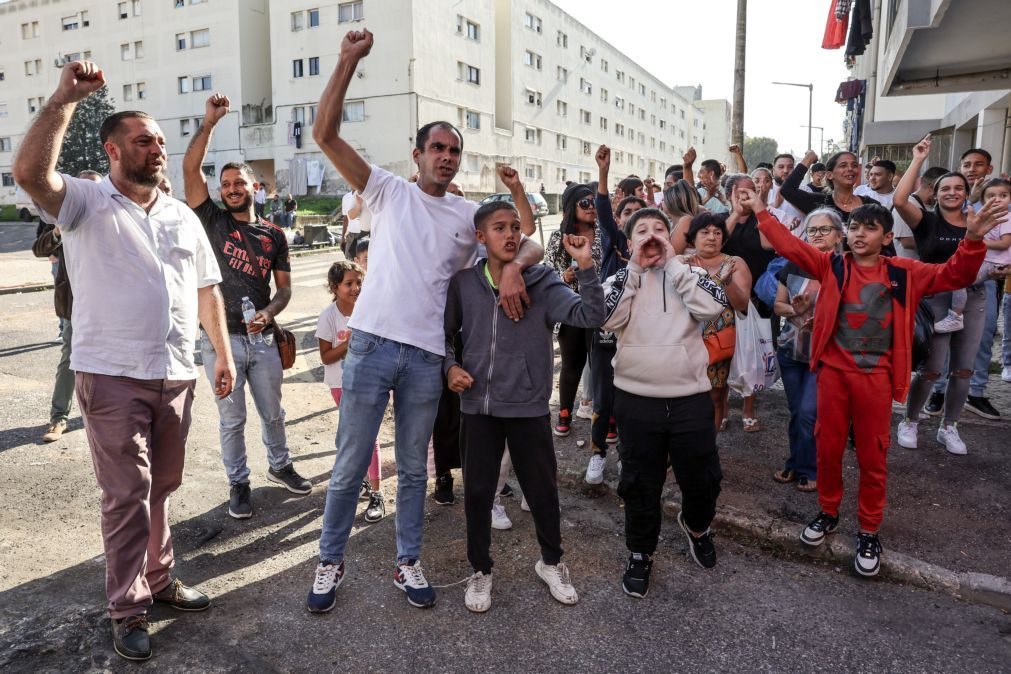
x,y
526,83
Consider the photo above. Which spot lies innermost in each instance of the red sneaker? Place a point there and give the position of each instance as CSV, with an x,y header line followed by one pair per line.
x,y
564,424
612,432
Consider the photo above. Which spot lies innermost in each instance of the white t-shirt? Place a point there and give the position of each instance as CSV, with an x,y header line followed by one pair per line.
x,y
260,196
333,327
347,203
418,243
999,256
786,212
901,230
135,276
883,199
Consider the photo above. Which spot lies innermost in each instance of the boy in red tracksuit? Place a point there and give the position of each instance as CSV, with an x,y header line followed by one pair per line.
x,y
861,347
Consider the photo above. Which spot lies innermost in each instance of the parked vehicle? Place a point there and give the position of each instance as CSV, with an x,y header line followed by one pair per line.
x,y
537,202
23,203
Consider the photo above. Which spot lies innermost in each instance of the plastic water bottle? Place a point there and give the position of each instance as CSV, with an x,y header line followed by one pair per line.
x,y
248,314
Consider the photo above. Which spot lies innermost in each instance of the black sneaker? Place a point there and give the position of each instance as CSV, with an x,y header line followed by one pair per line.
x,y
289,479
635,582
822,525
935,404
365,491
240,503
130,637
867,561
981,407
377,507
701,547
507,490
443,494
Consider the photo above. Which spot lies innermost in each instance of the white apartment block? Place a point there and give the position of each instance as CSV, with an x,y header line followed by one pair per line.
x,y
526,83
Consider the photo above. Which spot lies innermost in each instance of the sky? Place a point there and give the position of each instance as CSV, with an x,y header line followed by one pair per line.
x,y
689,42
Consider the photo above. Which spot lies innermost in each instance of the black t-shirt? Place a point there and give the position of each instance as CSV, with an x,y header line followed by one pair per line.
x,y
746,243
936,238
238,276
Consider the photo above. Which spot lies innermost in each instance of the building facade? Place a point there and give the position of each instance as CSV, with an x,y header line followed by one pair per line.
x,y
526,83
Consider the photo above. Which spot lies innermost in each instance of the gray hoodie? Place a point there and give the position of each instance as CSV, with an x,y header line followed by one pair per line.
x,y
512,362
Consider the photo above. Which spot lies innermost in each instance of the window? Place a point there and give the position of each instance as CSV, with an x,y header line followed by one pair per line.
x,y
471,163
533,171
682,113
313,65
354,111
631,82
560,175
585,86
652,120
532,135
603,95
619,156
71,22
138,49
586,54
663,124
642,114
127,92
135,5
619,103
603,65
208,169
298,114
468,73
312,115
603,123
532,59
663,146
184,127
181,41
532,22
584,177
349,11
642,89
32,68
562,108
619,129
184,85
314,19
585,117
8,179
619,75
631,109
652,96
587,147
202,83
468,28
663,103
29,30
297,21
141,90
200,38
124,52
533,97
123,10
562,40
296,68
562,142
473,119
5,144
3,110
563,74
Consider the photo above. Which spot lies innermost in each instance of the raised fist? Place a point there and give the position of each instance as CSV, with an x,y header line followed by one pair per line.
x,y
79,80
603,156
216,108
356,44
509,176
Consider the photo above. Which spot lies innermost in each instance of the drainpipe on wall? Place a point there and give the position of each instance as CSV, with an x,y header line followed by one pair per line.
x,y
871,98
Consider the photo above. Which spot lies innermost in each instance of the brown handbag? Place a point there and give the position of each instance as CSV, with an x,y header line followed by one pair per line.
x,y
287,347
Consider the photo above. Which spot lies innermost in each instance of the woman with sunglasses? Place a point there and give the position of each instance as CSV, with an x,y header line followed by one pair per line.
x,y
579,217
795,300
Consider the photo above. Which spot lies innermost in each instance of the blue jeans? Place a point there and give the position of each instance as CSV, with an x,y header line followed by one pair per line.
x,y
260,366
802,398
981,368
1005,344
374,367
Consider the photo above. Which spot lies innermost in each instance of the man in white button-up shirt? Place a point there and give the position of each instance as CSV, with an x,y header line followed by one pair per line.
x,y
143,273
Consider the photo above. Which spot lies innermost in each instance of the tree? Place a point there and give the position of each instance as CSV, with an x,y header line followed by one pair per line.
x,y
82,148
760,149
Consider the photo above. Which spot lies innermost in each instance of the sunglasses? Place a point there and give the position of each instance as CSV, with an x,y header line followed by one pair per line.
x,y
820,231
585,204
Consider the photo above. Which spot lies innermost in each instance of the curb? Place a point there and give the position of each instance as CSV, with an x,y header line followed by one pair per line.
x,y
32,288
781,536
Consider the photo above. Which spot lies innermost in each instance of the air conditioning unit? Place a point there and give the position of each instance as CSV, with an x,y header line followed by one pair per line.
x,y
58,62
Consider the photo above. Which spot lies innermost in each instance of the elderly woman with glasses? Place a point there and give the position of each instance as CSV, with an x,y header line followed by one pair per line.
x,y
795,300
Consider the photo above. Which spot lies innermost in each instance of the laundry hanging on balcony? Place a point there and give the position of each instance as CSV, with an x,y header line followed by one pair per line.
x,y
836,24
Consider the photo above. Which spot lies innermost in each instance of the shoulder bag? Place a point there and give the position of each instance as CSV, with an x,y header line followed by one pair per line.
x,y
284,339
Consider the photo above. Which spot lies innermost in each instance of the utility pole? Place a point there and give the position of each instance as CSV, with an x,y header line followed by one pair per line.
x,y
737,123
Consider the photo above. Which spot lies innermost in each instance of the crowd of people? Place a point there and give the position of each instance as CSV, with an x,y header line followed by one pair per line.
x,y
652,295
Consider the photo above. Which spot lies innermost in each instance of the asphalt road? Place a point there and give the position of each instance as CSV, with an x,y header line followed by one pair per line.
x,y
754,612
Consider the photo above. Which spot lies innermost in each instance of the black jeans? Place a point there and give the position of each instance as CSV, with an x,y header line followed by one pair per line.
x,y
446,432
653,431
532,450
574,344
601,355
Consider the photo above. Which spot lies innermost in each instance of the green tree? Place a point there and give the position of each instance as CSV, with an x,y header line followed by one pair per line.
x,y
82,148
760,149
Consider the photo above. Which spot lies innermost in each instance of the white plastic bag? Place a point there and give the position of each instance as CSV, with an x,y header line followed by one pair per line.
x,y
754,367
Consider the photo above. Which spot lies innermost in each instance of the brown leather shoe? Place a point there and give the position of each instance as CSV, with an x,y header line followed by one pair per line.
x,y
54,431
182,598
130,638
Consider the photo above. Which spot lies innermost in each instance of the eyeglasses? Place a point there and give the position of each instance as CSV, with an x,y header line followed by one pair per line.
x,y
585,204
820,231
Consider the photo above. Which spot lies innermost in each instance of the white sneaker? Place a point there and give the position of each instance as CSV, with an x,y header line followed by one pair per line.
x,y
557,578
585,411
907,434
478,595
524,506
595,471
499,519
948,436
1005,374
950,323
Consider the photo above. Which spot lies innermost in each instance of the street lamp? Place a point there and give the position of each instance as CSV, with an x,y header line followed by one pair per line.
x,y
821,147
810,105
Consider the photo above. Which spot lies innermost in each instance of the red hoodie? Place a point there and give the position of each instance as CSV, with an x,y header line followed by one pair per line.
x,y
911,280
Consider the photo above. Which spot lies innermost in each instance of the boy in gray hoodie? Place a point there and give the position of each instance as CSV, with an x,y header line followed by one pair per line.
x,y
504,378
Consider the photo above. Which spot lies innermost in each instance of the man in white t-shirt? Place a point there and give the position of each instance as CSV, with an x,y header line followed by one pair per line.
x,y
260,200
353,207
787,213
421,236
879,183
143,272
